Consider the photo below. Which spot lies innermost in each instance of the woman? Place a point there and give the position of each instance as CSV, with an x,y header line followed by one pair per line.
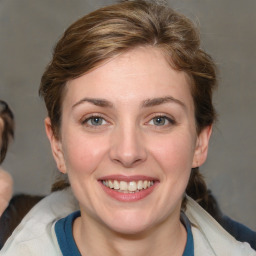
x,y
6,133
130,114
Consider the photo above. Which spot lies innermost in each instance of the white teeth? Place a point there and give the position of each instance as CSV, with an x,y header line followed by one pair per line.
x,y
128,187
132,186
123,185
140,184
145,184
110,184
116,185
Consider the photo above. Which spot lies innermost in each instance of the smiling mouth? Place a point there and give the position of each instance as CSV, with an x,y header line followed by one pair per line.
x,y
128,187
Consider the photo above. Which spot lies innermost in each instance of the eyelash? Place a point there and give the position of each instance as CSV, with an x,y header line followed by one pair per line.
x,y
85,121
170,121
90,118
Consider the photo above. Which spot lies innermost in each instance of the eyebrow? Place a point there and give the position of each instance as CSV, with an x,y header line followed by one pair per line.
x,y
96,102
147,103
158,101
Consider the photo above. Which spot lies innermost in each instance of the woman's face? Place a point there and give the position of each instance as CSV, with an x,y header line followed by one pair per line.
x,y
128,141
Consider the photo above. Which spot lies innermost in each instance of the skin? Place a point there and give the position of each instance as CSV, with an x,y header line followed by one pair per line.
x,y
6,182
138,86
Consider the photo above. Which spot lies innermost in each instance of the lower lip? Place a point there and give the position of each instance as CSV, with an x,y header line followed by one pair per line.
x,y
129,197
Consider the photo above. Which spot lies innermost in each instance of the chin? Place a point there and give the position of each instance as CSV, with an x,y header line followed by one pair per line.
x,y
129,229
129,223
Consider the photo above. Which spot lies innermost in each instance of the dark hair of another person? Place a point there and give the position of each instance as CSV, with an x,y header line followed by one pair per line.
x,y
8,132
113,30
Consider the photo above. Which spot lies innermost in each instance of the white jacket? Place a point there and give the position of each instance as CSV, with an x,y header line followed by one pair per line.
x,y
35,236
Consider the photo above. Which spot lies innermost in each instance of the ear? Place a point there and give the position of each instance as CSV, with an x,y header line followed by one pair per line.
x,y
202,144
56,146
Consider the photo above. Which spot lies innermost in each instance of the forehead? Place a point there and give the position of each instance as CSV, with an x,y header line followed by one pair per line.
x,y
137,74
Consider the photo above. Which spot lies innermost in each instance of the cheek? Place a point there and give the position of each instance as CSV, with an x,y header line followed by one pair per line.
x,y
174,153
83,154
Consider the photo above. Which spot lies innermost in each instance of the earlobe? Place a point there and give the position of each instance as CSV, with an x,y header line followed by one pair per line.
x,y
56,146
202,144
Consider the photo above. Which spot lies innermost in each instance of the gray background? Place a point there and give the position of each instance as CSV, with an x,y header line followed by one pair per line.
x,y
30,28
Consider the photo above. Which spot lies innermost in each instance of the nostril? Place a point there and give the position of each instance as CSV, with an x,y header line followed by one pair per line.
x,y
128,163
127,148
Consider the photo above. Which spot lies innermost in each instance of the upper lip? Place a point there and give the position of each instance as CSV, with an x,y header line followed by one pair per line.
x,y
128,178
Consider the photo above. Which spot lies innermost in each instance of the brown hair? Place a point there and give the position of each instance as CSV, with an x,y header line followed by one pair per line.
x,y
8,132
115,29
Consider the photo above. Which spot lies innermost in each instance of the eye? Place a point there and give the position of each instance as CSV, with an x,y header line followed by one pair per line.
x,y
94,121
161,121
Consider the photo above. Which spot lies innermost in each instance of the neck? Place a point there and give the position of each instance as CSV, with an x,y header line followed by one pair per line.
x,y
167,238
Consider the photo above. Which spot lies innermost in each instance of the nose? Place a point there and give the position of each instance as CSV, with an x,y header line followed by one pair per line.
x,y
127,147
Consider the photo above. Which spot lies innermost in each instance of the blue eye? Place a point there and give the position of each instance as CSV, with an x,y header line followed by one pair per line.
x,y
94,121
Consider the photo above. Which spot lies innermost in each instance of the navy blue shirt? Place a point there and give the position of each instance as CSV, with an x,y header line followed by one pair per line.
x,y
67,244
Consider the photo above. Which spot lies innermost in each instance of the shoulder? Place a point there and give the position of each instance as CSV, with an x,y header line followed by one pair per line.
x,y
210,238
40,245
33,238
35,234
239,231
